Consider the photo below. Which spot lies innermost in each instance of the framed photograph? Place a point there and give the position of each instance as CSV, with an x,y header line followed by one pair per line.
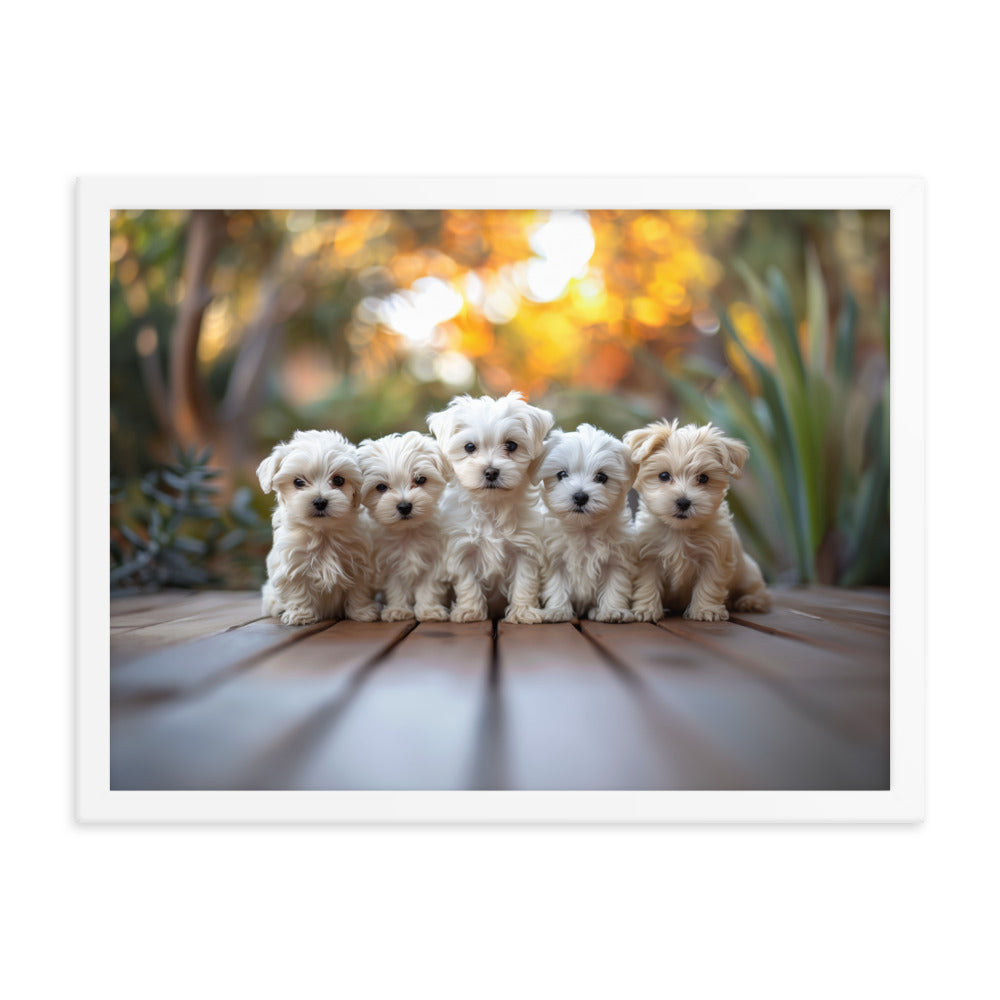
x,y
499,500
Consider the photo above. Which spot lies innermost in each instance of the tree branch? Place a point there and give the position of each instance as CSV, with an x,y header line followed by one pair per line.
x,y
280,296
189,401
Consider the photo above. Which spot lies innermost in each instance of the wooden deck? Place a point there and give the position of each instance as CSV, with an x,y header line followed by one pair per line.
x,y
206,694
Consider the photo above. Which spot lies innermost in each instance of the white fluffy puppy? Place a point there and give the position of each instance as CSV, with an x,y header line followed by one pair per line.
x,y
690,557
320,563
493,524
403,477
588,544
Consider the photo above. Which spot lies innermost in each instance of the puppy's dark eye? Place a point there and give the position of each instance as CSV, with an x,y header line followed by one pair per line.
x,y
381,487
470,447
510,445
337,481
665,476
299,483
703,478
420,480
561,475
600,478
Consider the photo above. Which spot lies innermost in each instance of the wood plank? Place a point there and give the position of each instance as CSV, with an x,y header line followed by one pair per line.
x,y
834,609
836,597
835,635
572,719
254,727
414,724
781,657
850,693
130,645
866,591
875,600
183,669
197,604
739,715
130,603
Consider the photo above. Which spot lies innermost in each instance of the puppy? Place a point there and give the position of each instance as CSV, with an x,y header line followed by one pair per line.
x,y
690,557
320,563
588,544
403,477
493,524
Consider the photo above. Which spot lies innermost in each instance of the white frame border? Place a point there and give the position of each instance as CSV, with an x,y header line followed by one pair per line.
x,y
903,802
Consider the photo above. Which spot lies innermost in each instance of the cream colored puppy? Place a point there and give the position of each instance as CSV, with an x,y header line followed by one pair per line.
x,y
493,524
404,476
690,557
588,544
320,563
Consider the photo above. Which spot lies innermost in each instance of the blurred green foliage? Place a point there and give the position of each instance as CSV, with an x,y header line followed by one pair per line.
x,y
170,531
818,432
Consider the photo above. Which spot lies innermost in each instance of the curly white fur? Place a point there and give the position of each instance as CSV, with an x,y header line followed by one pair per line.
x,y
493,525
690,558
588,543
404,476
320,563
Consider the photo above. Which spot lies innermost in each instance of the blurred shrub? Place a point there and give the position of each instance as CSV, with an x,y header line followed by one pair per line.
x,y
167,531
816,417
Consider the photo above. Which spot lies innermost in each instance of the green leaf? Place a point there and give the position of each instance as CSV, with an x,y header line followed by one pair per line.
x,y
784,334
817,316
789,450
846,330
231,539
190,545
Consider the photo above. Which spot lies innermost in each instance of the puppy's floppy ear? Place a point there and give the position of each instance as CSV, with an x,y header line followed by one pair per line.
x,y
631,469
356,478
436,454
642,442
537,470
268,469
362,454
539,423
442,423
734,455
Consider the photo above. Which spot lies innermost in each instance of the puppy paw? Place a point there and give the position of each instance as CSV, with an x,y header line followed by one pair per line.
x,y
617,615
399,614
558,614
431,613
647,614
298,616
708,613
468,614
524,616
366,613
759,600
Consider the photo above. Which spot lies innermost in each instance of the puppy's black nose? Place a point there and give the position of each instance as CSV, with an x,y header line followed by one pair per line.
x,y
320,503
580,498
404,508
683,503
492,475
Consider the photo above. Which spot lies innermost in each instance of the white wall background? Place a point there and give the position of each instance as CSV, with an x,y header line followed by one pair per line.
x,y
859,88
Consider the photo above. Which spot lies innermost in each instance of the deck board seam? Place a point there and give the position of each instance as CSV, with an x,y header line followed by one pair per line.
x,y
786,691
323,719
247,662
808,640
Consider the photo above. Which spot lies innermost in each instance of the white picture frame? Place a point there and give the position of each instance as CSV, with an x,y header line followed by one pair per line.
x,y
902,802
